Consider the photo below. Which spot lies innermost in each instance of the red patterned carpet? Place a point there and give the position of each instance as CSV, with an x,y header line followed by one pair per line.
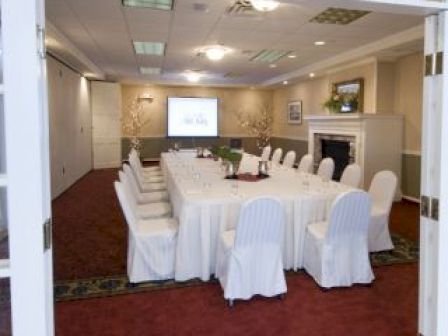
x,y
90,240
389,308
89,232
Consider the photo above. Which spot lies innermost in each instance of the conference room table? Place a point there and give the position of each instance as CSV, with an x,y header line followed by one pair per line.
x,y
206,204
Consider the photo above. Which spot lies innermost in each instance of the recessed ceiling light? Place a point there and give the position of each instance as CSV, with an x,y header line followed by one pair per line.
x,y
192,76
319,43
150,71
264,5
312,75
149,48
215,53
272,65
292,56
154,4
285,82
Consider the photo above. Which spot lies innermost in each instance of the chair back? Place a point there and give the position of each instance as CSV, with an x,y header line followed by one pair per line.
x,y
136,166
126,206
277,156
290,159
129,182
261,222
351,175
131,177
326,168
306,164
248,164
382,189
266,153
349,216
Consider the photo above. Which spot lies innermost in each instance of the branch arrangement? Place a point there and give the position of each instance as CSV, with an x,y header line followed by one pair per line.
x,y
258,124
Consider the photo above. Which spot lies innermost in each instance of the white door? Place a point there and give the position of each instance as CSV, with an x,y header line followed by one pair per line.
x,y
106,123
433,300
25,167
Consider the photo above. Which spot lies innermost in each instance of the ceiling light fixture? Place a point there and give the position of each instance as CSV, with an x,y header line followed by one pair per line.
x,y
153,4
319,43
285,82
215,53
149,48
292,56
312,75
272,65
264,5
193,76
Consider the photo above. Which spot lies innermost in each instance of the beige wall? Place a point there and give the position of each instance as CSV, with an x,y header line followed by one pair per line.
x,y
313,93
70,126
408,98
231,101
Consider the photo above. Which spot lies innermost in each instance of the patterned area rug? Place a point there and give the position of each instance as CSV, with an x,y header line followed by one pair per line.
x,y
405,251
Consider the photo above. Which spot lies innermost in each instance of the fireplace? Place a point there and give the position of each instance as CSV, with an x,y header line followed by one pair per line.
x,y
339,151
341,148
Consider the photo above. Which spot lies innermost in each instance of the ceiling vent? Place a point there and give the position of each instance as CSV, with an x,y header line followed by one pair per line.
x,y
270,56
339,16
241,8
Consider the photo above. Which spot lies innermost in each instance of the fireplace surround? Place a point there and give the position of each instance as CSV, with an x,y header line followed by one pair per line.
x,y
374,141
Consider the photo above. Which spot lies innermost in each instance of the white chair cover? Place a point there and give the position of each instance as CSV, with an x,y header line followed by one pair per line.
x,y
351,175
382,190
144,185
142,198
266,153
150,170
326,169
306,164
249,260
248,164
277,156
148,210
290,159
152,177
151,246
336,252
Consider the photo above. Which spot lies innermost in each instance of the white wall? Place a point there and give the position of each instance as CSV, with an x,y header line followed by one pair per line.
x,y
70,126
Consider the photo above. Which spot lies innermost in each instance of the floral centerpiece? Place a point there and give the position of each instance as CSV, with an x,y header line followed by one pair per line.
x,y
346,102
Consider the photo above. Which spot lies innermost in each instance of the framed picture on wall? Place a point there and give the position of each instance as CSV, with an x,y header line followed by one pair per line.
x,y
294,112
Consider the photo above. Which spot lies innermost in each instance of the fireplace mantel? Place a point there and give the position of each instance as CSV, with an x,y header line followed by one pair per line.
x,y
375,139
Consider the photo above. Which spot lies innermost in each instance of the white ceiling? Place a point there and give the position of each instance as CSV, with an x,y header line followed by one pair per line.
x,y
104,30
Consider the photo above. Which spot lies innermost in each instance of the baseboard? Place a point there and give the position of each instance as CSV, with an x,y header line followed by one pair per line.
x,y
412,199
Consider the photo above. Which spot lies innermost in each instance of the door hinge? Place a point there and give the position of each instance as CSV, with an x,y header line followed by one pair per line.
x,y
41,49
47,234
434,64
429,207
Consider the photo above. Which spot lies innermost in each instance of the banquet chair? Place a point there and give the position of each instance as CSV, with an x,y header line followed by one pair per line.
x,y
248,164
146,170
277,156
326,169
143,184
249,258
290,159
306,164
151,244
152,177
141,198
146,210
382,191
336,251
351,175
266,153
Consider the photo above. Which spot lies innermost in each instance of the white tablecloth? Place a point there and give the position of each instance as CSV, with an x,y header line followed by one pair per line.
x,y
206,204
